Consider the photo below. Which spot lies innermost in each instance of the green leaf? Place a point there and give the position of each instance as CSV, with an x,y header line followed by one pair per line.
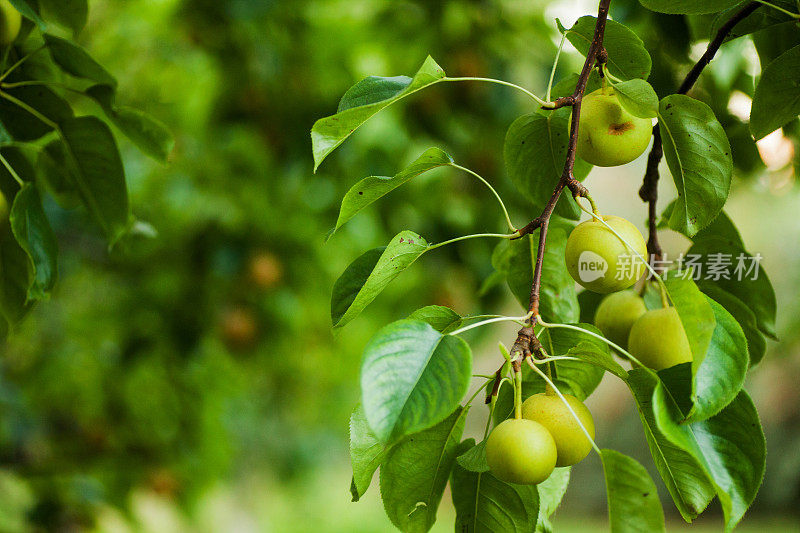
x,y
756,342
34,234
96,170
566,85
627,56
688,7
535,152
474,459
151,136
53,174
558,300
721,237
362,101
721,375
20,123
772,42
484,504
415,472
729,447
589,302
368,275
633,504
777,98
689,488
372,188
581,377
29,10
412,377
15,278
441,318
551,492
76,61
699,159
366,453
696,314
598,357
638,98
71,14
721,227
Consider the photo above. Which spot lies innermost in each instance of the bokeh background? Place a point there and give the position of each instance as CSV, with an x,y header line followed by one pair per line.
x,y
192,382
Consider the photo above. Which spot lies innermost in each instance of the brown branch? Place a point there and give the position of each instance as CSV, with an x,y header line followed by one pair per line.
x,y
649,193
649,190
526,338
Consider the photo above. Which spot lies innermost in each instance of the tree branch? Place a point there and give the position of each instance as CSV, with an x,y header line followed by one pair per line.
x,y
649,190
526,342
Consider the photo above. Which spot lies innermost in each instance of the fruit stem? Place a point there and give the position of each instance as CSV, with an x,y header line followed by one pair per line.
x,y
664,297
517,390
595,211
549,390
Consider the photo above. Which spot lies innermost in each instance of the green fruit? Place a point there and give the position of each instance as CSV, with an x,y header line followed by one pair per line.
x,y
616,314
551,412
600,261
658,339
608,135
521,451
10,23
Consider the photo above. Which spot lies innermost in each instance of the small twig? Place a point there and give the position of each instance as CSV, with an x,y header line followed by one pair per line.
x,y
498,378
649,190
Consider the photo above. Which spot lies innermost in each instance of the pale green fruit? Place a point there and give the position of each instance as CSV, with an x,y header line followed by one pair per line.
x,y
658,339
608,135
10,23
551,412
616,314
521,451
600,261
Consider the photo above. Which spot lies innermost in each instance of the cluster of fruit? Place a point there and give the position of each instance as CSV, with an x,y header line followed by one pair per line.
x,y
525,450
606,255
609,136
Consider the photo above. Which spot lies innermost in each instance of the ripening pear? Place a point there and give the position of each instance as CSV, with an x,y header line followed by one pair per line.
x,y
521,451
600,261
658,339
608,135
616,314
550,411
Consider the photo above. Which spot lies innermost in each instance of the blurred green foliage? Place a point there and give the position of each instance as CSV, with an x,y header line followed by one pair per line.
x,y
205,354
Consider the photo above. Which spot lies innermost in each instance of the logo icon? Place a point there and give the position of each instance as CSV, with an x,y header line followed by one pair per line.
x,y
591,266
